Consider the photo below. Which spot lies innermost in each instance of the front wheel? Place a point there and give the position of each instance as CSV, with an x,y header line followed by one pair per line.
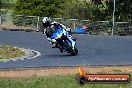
x,y
75,49
69,49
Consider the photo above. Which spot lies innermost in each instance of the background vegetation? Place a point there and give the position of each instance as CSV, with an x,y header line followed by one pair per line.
x,y
79,9
94,10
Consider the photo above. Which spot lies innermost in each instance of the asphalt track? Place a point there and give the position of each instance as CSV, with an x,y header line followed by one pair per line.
x,y
93,50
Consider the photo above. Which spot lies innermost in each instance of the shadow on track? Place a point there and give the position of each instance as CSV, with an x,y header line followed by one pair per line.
x,y
59,55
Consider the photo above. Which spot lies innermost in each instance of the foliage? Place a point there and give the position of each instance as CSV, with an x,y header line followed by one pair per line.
x,y
79,10
8,1
102,11
38,7
55,8
123,10
7,4
96,10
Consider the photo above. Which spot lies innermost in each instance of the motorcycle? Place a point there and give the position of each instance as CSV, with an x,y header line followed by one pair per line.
x,y
64,41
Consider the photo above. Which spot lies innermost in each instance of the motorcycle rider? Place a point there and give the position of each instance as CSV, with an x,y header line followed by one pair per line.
x,y
50,27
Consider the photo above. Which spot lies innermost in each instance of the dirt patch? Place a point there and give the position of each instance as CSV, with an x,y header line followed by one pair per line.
x,y
31,72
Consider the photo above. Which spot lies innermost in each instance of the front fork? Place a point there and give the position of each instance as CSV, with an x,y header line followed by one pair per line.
x,y
73,42
58,46
65,38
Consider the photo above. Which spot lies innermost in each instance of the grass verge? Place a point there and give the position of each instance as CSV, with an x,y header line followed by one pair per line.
x,y
58,81
7,52
61,77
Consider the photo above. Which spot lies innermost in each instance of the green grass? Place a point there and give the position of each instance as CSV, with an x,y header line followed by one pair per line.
x,y
7,52
53,82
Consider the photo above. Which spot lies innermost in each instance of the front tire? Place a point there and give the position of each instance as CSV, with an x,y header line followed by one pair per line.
x,y
75,49
69,49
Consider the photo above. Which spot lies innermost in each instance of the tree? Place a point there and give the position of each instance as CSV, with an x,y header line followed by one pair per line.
x,y
123,10
38,7
78,9
101,11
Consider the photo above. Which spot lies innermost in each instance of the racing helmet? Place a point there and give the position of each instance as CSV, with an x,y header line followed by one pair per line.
x,y
46,21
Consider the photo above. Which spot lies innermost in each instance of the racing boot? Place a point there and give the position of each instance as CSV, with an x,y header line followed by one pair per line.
x,y
54,45
74,39
61,50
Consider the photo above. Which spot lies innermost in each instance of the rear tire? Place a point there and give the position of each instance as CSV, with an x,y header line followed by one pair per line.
x,y
69,49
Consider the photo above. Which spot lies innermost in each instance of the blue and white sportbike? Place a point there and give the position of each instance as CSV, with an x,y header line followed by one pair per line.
x,y
64,42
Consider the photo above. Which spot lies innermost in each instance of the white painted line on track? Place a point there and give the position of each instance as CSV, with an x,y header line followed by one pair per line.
x,y
22,59
14,59
30,54
37,54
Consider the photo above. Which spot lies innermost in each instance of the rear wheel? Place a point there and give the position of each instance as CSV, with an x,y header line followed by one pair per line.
x,y
69,49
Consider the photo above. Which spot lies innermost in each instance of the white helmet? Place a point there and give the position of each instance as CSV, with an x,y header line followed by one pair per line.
x,y
46,19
